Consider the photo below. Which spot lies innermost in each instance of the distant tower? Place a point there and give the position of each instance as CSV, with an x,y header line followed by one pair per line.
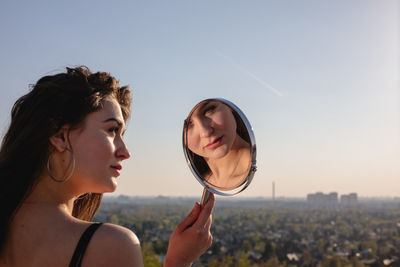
x,y
273,191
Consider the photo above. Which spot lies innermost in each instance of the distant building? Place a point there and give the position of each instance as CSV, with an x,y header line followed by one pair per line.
x,y
333,198
321,200
349,200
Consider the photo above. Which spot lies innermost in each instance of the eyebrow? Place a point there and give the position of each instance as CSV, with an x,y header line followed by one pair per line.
x,y
114,119
199,108
204,105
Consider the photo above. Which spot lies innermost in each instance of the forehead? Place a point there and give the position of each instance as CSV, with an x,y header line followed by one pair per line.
x,y
110,109
198,110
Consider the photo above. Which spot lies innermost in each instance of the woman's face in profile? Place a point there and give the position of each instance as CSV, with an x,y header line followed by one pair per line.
x,y
211,130
99,148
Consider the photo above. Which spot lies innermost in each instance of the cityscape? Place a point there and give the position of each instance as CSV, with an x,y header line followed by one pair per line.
x,y
320,199
322,229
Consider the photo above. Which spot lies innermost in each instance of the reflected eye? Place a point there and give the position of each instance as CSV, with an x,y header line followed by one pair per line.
x,y
189,123
210,109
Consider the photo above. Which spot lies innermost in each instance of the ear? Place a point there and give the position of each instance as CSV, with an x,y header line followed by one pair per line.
x,y
60,139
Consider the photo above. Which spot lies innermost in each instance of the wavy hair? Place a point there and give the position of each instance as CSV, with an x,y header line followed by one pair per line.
x,y
54,101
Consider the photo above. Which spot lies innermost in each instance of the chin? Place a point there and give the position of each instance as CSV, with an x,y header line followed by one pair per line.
x,y
114,185
220,153
111,186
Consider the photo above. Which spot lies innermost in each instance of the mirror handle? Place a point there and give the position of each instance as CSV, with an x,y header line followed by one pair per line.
x,y
204,197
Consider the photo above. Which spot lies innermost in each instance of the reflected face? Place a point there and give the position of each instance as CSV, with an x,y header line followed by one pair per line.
x,y
211,130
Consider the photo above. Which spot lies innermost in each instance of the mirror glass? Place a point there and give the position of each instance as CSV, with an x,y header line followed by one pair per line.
x,y
219,146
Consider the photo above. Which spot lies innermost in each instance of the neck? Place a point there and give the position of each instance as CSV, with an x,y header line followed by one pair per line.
x,y
232,164
50,194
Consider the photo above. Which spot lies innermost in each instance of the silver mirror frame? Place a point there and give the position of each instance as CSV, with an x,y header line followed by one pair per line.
x,y
253,167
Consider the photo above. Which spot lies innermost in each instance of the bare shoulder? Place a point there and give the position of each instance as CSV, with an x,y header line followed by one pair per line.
x,y
116,233
113,245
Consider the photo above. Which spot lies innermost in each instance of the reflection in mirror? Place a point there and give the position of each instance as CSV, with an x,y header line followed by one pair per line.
x,y
219,146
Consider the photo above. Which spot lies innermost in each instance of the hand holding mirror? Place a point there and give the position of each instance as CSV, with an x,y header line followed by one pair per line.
x,y
219,146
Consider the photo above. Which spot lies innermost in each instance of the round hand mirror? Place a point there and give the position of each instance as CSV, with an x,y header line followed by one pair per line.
x,y
220,147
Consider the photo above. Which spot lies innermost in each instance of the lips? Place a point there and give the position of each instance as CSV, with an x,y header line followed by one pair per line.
x,y
117,168
214,143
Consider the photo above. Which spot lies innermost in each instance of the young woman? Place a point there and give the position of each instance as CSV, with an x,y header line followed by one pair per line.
x,y
64,149
220,144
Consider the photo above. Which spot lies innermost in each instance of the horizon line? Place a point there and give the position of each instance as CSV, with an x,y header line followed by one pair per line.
x,y
235,197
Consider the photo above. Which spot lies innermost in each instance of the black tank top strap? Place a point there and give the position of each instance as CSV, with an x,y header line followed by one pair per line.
x,y
76,260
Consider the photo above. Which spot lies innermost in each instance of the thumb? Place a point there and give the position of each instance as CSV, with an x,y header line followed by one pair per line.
x,y
190,219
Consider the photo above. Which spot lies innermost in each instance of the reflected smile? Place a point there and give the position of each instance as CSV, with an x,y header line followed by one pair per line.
x,y
214,143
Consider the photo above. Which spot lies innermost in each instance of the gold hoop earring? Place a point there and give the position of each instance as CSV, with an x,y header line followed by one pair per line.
x,y
66,178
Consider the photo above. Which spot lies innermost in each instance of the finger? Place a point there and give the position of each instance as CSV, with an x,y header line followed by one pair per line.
x,y
207,225
207,230
190,219
206,212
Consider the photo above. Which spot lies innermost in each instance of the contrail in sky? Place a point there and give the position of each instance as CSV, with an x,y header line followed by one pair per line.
x,y
252,75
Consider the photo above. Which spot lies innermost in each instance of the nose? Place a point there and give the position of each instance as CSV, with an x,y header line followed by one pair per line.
x,y
122,151
205,128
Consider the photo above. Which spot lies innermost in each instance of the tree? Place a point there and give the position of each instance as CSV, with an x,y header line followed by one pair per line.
x,y
243,260
114,219
246,245
272,262
333,261
356,263
214,263
149,257
227,261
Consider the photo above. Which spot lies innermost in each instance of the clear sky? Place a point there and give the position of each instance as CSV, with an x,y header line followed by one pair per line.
x,y
318,80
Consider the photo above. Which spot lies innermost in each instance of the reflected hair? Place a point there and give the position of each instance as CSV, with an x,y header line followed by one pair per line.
x,y
54,101
200,163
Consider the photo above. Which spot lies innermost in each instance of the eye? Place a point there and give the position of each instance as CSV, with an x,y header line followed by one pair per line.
x,y
210,109
114,130
189,123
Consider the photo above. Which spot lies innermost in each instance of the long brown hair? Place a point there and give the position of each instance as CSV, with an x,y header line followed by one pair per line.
x,y
54,101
